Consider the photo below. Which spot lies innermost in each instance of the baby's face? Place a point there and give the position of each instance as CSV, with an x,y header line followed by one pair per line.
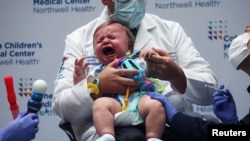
x,y
110,42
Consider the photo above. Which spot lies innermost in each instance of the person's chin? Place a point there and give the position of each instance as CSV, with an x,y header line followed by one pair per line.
x,y
106,61
110,58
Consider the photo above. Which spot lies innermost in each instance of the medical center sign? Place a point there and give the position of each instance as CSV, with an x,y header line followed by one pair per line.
x,y
19,53
62,6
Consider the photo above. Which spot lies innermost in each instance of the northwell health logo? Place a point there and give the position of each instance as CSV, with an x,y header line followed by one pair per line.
x,y
63,6
25,91
217,30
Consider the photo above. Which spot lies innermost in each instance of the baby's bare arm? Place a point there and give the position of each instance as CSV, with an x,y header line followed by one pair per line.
x,y
80,69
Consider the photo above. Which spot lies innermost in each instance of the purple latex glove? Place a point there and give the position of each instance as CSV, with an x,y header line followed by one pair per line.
x,y
23,128
224,106
169,108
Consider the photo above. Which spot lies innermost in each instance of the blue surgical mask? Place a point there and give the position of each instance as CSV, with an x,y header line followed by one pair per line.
x,y
129,12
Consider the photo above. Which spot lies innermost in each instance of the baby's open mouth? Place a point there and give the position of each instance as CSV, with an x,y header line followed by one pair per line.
x,y
108,51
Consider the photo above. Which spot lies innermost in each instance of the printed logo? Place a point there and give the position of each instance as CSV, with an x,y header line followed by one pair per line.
x,y
171,4
62,66
25,91
217,30
63,6
25,86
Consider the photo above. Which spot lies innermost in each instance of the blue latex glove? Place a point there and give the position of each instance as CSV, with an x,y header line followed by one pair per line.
x,y
23,128
169,108
224,106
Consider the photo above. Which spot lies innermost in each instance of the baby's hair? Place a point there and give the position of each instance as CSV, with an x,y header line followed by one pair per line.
x,y
131,38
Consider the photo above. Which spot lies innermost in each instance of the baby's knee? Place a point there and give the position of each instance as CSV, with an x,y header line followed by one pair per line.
x,y
106,104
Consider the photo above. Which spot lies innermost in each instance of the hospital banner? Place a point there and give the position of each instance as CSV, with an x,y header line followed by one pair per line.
x,y
32,35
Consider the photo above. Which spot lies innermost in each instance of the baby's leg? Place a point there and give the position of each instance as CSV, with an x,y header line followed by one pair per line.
x,y
104,110
153,113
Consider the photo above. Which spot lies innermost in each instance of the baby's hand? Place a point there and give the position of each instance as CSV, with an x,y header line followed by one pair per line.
x,y
80,69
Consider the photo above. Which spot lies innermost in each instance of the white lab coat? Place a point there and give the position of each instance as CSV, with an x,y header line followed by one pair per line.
x,y
73,103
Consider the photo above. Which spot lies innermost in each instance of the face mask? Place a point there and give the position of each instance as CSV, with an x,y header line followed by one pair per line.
x,y
129,12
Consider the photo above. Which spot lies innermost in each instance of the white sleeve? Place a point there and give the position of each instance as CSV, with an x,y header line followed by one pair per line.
x,y
196,69
71,102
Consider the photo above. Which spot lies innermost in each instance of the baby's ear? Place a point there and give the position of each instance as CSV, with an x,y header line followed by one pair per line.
x,y
130,47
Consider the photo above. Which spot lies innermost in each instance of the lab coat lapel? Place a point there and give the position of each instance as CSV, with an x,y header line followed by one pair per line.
x,y
143,35
142,38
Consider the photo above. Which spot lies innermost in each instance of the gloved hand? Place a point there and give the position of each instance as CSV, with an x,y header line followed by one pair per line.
x,y
224,106
23,128
169,108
